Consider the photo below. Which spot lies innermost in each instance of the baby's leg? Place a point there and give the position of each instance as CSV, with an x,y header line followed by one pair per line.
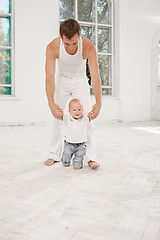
x,y
79,156
67,154
83,93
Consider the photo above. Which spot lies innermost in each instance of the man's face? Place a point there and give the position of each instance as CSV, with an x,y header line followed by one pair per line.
x,y
71,45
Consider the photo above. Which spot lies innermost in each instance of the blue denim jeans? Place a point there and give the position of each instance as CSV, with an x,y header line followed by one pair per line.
x,y
76,151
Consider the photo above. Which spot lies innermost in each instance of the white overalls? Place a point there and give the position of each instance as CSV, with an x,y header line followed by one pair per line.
x,y
71,82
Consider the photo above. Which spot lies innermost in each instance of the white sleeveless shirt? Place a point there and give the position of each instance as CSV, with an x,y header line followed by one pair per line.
x,y
71,65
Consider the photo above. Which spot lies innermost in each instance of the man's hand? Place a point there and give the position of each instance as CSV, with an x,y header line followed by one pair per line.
x,y
57,111
95,111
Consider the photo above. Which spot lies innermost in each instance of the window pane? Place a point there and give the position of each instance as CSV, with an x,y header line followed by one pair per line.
x,y
86,10
5,66
104,43
106,91
104,64
88,32
102,11
5,90
5,6
5,32
91,91
67,9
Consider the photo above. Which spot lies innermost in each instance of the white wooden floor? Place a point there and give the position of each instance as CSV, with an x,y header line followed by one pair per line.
x,y
119,201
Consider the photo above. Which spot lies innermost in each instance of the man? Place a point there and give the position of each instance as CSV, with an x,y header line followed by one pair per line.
x,y
70,52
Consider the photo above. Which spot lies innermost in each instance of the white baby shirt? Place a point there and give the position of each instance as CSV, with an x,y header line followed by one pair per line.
x,y
75,131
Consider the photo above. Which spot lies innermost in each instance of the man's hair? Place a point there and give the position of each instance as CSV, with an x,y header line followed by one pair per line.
x,y
69,28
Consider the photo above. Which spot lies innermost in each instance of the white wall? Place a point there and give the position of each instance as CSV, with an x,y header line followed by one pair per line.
x,y
36,24
139,23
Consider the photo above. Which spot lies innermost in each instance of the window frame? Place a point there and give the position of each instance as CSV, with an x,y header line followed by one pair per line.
x,y
112,42
12,48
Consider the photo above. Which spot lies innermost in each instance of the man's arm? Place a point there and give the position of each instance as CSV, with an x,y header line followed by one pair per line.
x,y
50,80
95,78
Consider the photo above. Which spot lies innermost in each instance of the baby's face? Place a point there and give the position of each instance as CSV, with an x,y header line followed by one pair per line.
x,y
76,110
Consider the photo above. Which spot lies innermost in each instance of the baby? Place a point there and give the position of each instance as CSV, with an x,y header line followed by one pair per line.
x,y
75,135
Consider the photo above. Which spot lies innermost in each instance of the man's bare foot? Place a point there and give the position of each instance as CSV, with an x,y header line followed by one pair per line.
x,y
93,164
49,162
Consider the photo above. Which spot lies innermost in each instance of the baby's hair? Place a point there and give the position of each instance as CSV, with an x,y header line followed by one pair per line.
x,y
74,100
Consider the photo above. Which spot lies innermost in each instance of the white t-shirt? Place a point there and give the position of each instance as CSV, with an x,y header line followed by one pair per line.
x,y
75,131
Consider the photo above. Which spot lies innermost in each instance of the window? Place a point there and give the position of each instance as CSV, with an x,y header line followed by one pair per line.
x,y
96,20
6,47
